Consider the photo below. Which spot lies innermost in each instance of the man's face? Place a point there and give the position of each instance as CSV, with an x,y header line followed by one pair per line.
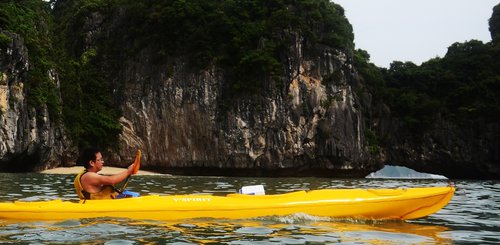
x,y
99,162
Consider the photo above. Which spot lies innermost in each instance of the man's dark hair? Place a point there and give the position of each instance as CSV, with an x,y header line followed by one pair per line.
x,y
88,155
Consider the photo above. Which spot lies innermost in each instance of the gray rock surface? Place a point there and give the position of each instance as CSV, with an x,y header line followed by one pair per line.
x,y
29,138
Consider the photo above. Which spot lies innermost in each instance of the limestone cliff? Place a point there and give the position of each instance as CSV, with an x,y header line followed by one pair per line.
x,y
465,151
29,138
183,124
308,122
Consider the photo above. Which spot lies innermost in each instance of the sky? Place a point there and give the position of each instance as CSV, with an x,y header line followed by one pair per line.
x,y
415,30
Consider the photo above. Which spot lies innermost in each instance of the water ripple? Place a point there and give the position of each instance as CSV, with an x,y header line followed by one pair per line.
x,y
472,217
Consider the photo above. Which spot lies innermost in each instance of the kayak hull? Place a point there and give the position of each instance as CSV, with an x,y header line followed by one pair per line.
x,y
401,204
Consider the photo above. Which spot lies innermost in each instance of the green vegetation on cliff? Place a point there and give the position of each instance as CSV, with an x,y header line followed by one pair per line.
x,y
245,38
90,115
31,20
463,85
495,24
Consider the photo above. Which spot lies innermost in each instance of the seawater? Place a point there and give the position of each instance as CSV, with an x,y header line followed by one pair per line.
x,y
472,216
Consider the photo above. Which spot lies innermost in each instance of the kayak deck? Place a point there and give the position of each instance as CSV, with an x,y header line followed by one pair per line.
x,y
409,203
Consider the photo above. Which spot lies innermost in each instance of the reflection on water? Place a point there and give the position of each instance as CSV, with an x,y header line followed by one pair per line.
x,y
473,215
294,231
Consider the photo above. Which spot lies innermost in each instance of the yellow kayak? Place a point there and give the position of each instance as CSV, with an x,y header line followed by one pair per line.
x,y
407,203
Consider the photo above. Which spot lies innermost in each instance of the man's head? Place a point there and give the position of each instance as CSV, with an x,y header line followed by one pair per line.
x,y
90,157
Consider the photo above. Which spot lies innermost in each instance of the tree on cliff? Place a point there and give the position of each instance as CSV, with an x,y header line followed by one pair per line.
x,y
495,24
463,85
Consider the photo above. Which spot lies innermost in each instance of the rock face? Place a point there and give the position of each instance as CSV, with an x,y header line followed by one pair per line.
x,y
468,151
188,122
183,124
29,138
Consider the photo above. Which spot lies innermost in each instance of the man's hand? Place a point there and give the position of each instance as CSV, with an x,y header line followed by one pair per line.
x,y
130,169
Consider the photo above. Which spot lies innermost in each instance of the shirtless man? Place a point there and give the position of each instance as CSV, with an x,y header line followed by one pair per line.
x,y
91,185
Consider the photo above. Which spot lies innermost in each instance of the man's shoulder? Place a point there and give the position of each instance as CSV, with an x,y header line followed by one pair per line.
x,y
89,175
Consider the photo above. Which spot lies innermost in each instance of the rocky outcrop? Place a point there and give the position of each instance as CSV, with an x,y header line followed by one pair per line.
x,y
29,138
187,121
183,123
467,151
